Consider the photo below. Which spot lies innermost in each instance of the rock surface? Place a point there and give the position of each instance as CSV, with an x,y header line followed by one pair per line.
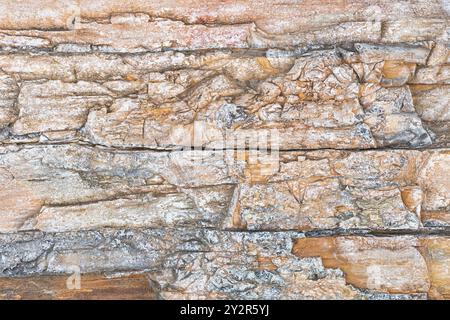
x,y
228,150
95,287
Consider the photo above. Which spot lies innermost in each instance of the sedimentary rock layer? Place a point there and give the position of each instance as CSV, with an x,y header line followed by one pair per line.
x,y
362,97
190,25
210,264
224,150
71,187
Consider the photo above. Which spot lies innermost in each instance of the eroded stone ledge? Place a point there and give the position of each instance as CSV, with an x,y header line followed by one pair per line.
x,y
71,187
363,98
142,26
206,264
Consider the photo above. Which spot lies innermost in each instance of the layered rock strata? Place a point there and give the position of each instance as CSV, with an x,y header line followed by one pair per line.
x,y
228,150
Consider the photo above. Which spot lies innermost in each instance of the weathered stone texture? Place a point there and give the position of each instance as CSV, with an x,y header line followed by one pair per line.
x,y
358,98
72,187
225,150
388,264
227,264
95,287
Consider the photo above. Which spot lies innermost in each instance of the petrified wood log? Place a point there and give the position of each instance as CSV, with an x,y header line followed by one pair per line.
x,y
224,150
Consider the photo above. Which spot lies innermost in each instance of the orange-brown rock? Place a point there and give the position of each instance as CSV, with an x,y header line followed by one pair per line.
x,y
397,264
384,264
91,287
436,252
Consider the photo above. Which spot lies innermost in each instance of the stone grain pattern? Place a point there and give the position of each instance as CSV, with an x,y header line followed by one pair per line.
x,y
185,149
